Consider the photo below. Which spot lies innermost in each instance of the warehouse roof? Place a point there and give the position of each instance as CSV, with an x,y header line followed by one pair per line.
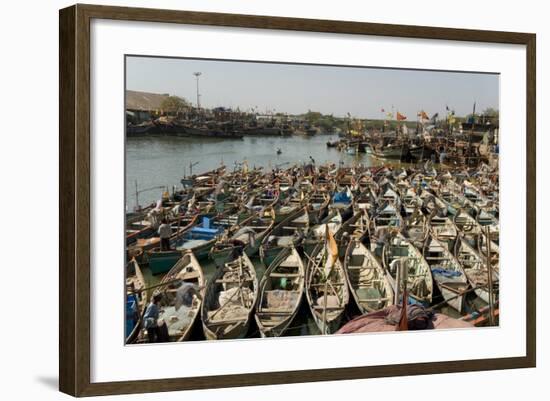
x,y
136,100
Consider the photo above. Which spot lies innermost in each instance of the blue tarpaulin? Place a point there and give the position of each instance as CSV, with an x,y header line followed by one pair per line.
x,y
341,197
445,272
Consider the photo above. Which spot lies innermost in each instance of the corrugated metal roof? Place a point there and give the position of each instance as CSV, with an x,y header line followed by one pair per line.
x,y
145,101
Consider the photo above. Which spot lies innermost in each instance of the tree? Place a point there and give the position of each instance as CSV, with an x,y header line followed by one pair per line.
x,y
490,112
174,105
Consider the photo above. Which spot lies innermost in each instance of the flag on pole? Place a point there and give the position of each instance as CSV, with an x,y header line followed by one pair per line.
x,y
401,117
332,251
389,115
382,110
423,115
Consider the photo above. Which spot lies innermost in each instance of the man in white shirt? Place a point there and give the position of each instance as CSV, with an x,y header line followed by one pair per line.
x,y
165,231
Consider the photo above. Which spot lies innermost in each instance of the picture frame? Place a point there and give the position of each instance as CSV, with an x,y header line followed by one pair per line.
x,y
75,203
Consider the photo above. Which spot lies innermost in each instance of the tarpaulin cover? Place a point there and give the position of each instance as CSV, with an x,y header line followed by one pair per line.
x,y
341,197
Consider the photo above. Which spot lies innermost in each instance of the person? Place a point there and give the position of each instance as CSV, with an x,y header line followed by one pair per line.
x,y
238,248
151,317
186,294
165,231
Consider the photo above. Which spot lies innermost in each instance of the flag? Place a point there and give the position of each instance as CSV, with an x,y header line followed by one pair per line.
x,y
423,115
400,117
389,115
332,251
382,111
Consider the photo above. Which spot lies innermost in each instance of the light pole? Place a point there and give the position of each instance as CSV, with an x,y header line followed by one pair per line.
x,y
197,75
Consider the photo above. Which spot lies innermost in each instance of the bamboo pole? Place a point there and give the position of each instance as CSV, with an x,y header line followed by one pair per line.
x,y
490,276
325,308
397,285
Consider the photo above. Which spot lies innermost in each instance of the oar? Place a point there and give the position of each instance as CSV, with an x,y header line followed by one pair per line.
x,y
156,286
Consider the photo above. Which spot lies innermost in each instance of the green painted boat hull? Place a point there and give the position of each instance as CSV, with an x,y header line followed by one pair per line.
x,y
162,262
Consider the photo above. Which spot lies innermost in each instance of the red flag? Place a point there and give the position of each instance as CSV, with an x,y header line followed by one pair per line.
x,y
401,117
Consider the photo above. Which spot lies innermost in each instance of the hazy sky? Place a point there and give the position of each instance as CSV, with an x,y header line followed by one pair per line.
x,y
295,89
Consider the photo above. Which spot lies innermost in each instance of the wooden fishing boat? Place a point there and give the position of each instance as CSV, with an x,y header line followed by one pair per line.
x,y
249,235
467,224
455,201
482,243
432,204
444,229
199,239
136,300
180,318
447,272
317,233
317,204
367,280
262,199
357,227
390,151
386,217
343,202
416,228
139,229
475,268
280,293
178,227
366,199
289,207
419,278
327,290
229,300
486,219
410,201
288,233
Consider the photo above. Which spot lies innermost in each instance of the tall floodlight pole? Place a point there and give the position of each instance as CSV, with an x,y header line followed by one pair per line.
x,y
197,75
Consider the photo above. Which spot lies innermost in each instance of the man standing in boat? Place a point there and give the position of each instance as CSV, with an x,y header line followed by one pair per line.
x,y
165,231
155,332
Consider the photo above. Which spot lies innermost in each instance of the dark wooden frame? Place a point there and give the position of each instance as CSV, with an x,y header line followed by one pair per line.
x,y
74,202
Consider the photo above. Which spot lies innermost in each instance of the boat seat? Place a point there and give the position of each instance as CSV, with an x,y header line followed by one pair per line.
x,y
320,307
224,281
374,299
274,311
285,275
226,321
323,284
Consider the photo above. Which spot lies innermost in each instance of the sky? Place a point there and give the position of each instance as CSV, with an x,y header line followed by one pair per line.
x,y
289,88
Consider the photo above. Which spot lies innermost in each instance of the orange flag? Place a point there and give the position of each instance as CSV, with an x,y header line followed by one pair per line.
x,y
332,251
424,116
401,117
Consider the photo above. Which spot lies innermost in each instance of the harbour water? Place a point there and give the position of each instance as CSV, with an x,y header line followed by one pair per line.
x,y
162,161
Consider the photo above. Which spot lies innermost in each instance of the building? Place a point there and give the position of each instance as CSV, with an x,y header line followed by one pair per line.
x,y
142,106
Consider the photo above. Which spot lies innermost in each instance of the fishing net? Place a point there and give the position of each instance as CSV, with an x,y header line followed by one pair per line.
x,y
234,304
280,299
